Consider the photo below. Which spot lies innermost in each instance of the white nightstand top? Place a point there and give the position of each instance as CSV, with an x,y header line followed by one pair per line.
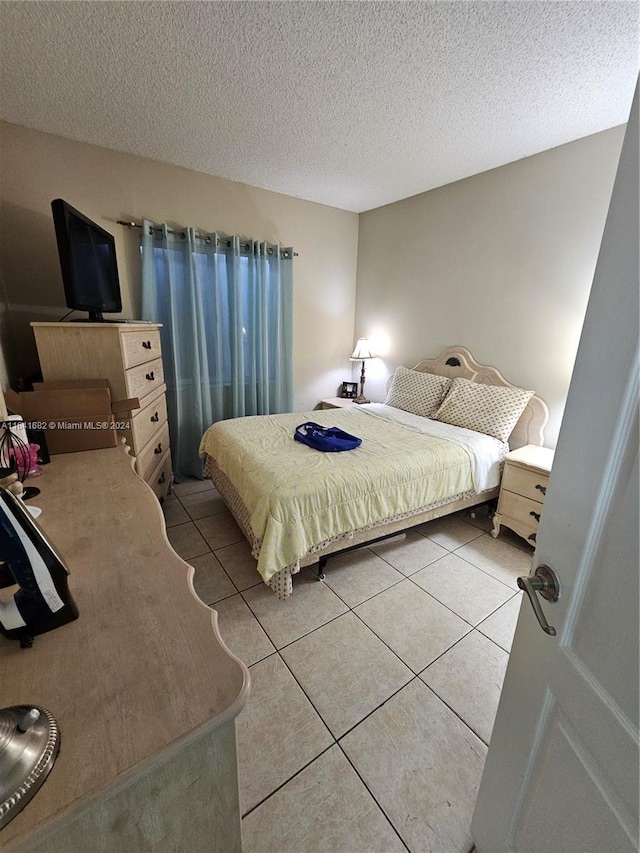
x,y
532,456
337,403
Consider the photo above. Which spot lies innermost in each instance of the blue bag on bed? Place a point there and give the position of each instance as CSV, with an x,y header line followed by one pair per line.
x,y
327,439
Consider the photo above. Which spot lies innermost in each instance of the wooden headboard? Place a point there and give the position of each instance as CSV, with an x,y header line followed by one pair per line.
x,y
458,361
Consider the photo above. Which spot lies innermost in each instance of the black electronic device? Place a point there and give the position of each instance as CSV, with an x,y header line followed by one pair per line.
x,y
88,263
29,560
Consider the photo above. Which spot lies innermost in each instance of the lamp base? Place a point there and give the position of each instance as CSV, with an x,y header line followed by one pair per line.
x,y
361,399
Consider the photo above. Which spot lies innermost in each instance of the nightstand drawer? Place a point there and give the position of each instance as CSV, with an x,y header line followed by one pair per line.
x,y
526,529
524,510
530,484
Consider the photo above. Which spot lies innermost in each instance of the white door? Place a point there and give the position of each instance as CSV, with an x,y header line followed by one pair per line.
x,y
561,774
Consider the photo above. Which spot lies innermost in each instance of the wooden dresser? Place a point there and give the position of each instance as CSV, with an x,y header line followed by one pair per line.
x,y
142,686
129,356
522,491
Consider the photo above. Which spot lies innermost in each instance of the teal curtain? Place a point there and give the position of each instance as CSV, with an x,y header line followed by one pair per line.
x,y
225,305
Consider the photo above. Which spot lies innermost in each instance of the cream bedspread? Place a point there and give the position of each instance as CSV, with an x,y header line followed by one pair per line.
x,y
298,497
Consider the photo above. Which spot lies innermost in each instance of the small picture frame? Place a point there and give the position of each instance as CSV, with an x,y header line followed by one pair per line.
x,y
349,390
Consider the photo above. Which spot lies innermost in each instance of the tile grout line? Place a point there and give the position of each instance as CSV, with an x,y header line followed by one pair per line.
x,y
453,710
286,782
336,742
373,797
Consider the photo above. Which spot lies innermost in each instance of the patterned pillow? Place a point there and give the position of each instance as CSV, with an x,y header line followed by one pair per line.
x,y
416,392
491,409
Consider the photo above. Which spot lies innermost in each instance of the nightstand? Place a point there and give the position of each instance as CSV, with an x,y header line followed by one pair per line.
x,y
337,403
522,491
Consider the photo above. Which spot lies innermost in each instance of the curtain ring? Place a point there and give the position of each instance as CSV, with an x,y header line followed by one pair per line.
x,y
151,230
269,251
207,240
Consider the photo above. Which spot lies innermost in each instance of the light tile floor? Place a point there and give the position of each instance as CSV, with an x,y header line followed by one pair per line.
x,y
373,693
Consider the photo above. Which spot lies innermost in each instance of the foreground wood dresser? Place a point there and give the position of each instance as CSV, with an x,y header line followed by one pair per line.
x,y
143,688
129,356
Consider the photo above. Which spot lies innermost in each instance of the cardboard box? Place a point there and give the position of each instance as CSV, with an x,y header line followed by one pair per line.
x,y
72,414
70,384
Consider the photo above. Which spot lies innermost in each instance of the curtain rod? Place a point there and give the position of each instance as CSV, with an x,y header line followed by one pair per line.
x,y
205,237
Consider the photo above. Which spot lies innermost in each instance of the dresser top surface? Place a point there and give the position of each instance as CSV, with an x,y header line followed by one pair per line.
x,y
143,665
133,326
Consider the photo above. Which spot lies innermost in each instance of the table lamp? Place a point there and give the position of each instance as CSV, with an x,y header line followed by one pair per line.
x,y
361,353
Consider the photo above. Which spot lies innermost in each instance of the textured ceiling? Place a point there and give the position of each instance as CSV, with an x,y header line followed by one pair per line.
x,y
352,104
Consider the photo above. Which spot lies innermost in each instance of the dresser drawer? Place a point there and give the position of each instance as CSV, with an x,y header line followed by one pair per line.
x,y
147,459
160,479
140,346
530,484
145,422
144,379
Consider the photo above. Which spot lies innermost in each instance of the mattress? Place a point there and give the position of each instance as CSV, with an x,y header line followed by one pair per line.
x,y
297,498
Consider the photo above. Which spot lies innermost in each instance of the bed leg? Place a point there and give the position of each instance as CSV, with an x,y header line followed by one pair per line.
x,y
322,564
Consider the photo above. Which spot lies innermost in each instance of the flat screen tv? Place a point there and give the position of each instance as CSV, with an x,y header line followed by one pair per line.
x,y
88,263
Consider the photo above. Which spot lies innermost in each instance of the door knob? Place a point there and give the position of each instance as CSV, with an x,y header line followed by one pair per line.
x,y
545,581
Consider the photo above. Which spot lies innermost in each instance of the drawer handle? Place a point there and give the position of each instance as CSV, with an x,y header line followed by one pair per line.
x,y
154,418
532,538
542,489
146,344
536,515
158,449
162,479
151,377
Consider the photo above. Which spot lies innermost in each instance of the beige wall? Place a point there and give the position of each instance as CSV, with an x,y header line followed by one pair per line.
x,y
6,337
501,263
107,186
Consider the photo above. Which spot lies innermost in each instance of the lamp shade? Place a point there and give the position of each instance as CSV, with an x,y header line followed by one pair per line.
x,y
363,350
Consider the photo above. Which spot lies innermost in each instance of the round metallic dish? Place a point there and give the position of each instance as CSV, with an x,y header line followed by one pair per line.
x,y
29,744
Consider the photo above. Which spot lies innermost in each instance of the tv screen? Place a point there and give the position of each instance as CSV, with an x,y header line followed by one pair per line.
x,y
88,262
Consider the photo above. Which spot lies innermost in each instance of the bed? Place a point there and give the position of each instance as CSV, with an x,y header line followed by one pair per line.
x,y
296,505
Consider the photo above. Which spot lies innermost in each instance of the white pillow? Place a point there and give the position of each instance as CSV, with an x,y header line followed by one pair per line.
x,y
417,392
491,409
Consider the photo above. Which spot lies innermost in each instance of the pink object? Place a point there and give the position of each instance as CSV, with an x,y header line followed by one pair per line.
x,y
26,459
